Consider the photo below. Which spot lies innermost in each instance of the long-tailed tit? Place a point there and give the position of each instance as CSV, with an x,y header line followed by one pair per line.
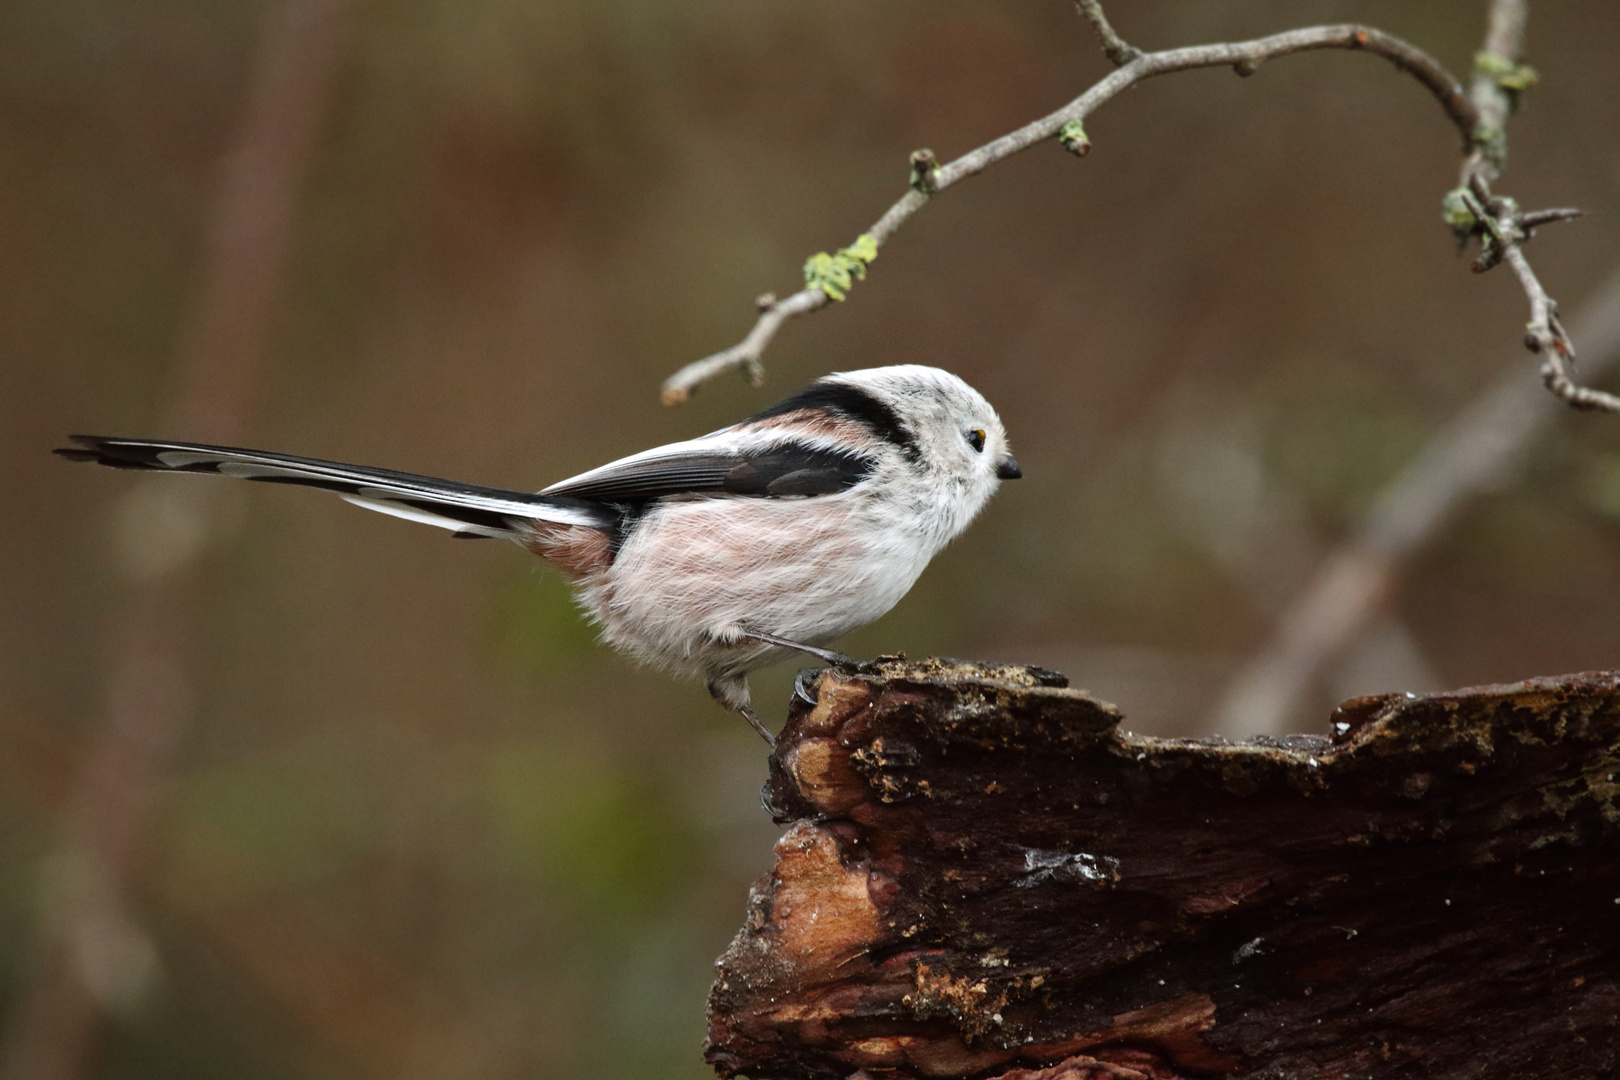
x,y
716,555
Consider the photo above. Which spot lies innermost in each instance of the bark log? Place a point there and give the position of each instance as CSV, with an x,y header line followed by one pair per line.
x,y
983,877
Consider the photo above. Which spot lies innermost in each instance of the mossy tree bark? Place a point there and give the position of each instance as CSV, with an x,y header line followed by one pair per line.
x,y
983,877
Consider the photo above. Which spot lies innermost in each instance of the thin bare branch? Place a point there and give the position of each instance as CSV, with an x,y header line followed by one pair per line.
x,y
1243,56
1499,78
1114,46
1546,337
1504,29
1492,89
746,353
1534,219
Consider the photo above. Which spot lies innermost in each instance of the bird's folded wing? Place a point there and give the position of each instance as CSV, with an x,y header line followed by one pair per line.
x,y
701,466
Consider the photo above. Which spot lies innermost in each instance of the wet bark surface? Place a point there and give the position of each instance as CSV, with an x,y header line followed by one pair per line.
x,y
982,876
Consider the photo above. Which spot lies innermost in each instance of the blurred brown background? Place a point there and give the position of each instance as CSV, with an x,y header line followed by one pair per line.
x,y
338,798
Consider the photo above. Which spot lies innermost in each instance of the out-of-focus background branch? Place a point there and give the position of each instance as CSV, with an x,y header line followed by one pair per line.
x,y
94,956
414,822
1346,599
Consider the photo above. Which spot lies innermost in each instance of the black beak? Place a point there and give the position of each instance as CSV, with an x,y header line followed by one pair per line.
x,y
1009,470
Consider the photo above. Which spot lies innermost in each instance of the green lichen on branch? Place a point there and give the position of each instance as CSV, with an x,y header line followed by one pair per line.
x,y
1514,78
1456,213
1073,137
836,274
1491,142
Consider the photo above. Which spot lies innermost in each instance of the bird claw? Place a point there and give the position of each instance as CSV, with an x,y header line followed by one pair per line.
x,y
805,686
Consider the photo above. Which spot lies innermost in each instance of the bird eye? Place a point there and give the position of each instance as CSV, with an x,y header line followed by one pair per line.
x,y
975,439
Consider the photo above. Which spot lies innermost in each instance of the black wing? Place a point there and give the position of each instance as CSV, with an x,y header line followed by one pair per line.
x,y
783,469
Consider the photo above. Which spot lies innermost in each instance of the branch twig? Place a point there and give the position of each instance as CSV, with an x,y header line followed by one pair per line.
x,y
1503,231
745,353
1244,57
1492,91
1546,336
1114,46
1499,78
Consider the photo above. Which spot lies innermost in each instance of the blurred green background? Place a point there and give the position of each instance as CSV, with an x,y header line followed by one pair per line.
x,y
404,817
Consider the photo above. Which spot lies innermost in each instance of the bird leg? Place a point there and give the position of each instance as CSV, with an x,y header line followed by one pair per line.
x,y
836,659
764,732
732,692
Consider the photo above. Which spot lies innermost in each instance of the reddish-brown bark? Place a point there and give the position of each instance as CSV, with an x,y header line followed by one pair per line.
x,y
983,877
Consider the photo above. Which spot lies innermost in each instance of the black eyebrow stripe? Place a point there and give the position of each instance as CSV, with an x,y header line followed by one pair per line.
x,y
851,402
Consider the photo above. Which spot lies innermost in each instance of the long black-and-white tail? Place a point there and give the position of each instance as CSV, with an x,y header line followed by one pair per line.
x,y
465,509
